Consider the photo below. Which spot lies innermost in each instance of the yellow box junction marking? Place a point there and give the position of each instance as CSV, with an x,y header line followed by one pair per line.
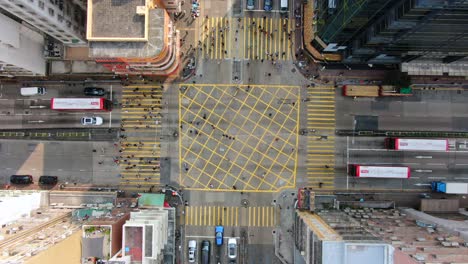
x,y
238,138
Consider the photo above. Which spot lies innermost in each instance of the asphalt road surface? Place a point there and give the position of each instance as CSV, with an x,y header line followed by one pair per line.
x,y
440,110
426,166
19,111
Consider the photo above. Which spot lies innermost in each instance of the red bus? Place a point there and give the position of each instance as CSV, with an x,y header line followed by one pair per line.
x,y
379,171
417,144
81,104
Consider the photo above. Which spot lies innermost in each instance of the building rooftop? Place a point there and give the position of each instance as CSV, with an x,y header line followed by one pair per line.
x,y
44,228
116,19
134,49
422,242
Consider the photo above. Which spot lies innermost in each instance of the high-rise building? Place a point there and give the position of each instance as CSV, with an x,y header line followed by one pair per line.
x,y
391,31
21,50
62,20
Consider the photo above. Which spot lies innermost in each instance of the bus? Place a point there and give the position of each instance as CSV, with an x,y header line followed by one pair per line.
x,y
81,104
363,171
417,144
284,6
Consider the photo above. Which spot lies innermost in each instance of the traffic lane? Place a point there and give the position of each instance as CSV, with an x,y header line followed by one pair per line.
x,y
71,89
385,155
441,110
31,113
73,162
65,120
217,253
362,142
423,157
418,123
11,121
420,177
343,181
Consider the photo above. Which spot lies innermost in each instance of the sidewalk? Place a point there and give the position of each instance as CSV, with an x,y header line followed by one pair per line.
x,y
283,236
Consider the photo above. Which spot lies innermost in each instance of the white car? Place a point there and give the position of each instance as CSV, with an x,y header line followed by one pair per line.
x,y
92,121
192,248
232,248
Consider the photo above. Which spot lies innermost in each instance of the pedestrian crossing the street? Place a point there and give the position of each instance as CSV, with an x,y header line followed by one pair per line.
x,y
321,146
140,137
215,40
265,39
255,216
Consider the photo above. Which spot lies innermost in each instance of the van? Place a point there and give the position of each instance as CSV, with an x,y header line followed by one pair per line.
x,y
21,179
205,252
31,91
284,6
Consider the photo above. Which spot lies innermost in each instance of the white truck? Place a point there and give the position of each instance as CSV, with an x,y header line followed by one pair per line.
x,y
450,187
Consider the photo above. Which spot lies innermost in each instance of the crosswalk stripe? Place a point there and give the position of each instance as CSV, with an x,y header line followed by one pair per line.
x,y
257,216
255,44
140,163
320,116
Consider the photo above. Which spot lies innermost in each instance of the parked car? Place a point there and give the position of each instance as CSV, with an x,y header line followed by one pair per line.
x,y
94,91
48,180
91,121
232,248
250,4
192,248
268,5
205,252
21,179
219,232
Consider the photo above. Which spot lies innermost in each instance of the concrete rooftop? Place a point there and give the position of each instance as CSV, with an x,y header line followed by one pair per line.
x,y
137,49
117,19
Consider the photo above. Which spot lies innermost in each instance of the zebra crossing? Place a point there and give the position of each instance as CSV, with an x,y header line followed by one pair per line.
x,y
254,216
139,137
251,38
321,146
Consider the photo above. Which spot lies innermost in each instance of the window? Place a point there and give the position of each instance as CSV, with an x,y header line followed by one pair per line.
x,y
41,4
51,11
